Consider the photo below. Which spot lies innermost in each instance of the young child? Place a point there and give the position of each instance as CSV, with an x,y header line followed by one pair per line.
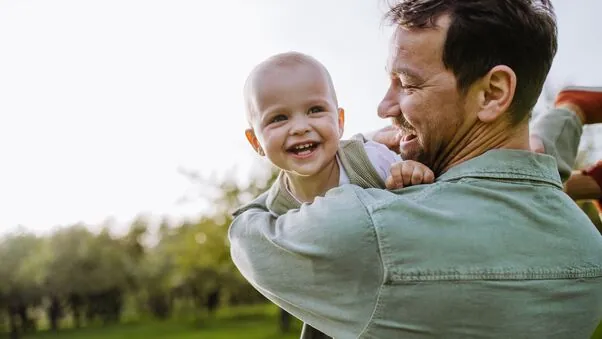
x,y
296,122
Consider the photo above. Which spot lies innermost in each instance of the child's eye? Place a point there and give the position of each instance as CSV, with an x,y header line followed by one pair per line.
x,y
278,118
316,109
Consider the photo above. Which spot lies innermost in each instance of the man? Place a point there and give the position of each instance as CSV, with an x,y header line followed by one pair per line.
x,y
494,248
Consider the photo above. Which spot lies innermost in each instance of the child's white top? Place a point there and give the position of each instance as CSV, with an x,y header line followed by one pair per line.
x,y
380,157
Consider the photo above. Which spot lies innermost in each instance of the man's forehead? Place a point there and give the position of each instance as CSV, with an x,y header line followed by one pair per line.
x,y
409,47
406,36
401,54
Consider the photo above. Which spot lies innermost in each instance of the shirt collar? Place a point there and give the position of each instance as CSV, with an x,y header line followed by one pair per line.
x,y
507,164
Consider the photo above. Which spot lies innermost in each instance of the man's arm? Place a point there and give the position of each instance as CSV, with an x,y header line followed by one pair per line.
x,y
320,263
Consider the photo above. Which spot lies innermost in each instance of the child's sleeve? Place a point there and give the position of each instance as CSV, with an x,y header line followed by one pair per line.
x,y
560,131
381,158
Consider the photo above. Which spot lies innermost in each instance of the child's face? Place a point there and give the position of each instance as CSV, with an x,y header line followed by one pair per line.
x,y
296,122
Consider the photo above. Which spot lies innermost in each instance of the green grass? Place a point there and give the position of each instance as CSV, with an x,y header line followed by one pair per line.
x,y
598,333
260,322
257,322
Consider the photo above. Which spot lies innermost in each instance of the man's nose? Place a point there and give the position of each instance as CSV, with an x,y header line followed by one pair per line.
x,y
389,105
300,124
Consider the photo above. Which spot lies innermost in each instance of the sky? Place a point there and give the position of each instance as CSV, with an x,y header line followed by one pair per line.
x,y
102,102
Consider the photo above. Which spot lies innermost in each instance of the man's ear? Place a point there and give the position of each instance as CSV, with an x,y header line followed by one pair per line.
x,y
341,116
250,134
497,91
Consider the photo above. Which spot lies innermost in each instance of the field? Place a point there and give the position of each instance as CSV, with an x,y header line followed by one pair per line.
x,y
249,323
258,322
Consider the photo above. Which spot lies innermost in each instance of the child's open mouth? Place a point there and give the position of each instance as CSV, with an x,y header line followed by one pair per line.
x,y
304,149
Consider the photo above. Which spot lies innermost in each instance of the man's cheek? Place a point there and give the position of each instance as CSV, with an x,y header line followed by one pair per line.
x,y
411,112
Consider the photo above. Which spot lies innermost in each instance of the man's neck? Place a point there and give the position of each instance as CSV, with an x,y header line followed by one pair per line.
x,y
307,188
478,138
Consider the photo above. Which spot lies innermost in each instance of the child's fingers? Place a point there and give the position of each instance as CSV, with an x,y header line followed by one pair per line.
x,y
429,177
408,173
395,180
390,183
407,170
417,175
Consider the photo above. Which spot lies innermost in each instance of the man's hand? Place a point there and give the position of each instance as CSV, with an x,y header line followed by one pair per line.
x,y
408,172
389,136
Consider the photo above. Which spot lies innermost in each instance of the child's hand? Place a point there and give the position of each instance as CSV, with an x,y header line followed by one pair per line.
x,y
408,172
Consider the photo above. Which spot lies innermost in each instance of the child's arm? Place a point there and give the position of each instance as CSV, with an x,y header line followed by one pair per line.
x,y
557,133
407,173
582,187
585,184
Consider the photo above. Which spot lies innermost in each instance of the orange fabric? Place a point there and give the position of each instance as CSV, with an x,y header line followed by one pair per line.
x,y
596,173
590,103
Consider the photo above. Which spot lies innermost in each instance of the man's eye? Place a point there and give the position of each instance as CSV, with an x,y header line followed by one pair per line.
x,y
278,118
316,109
404,85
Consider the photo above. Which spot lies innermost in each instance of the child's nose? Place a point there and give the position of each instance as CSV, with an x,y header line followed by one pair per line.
x,y
300,125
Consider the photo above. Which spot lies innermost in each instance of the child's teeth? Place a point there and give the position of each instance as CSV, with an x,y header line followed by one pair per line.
x,y
300,147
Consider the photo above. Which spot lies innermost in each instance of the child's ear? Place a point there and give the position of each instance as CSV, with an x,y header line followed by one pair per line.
x,y
250,134
341,116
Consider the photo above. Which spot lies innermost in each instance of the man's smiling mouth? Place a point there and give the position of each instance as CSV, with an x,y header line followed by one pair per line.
x,y
408,137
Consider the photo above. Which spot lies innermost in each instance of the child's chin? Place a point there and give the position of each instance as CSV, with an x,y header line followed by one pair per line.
x,y
305,172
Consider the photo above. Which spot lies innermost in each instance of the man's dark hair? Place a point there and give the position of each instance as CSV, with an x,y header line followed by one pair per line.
x,y
520,34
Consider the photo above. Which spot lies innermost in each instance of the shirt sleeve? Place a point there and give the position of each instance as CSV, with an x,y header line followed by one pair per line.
x,y
320,263
381,158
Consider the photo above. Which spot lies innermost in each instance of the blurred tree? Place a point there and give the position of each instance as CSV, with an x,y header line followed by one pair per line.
x,y
133,240
156,274
86,272
19,287
209,252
